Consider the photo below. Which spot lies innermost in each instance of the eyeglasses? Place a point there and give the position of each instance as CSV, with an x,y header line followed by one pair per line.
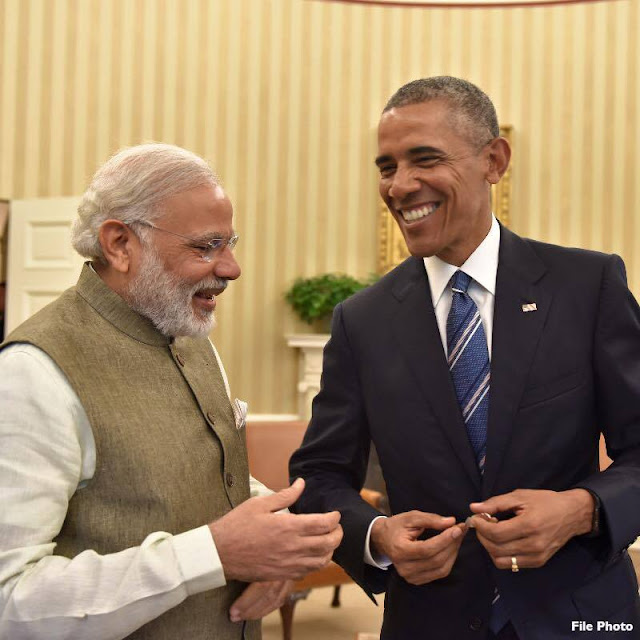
x,y
208,250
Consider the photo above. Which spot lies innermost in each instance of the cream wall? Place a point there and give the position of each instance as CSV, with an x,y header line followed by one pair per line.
x,y
283,96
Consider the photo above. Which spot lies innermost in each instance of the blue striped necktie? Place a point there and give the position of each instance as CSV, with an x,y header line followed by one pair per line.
x,y
469,363
471,373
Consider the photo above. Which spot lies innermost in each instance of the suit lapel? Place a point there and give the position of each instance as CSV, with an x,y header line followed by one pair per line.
x,y
418,339
515,336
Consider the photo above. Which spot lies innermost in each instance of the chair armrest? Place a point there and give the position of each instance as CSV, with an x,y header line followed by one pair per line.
x,y
374,498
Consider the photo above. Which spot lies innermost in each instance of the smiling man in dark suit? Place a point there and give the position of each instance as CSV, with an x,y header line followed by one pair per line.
x,y
484,369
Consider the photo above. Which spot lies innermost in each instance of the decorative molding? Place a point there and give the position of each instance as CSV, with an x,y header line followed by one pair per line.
x,y
465,4
392,249
501,192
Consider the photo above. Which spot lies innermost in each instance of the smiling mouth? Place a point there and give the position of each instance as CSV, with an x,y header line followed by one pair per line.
x,y
417,213
208,294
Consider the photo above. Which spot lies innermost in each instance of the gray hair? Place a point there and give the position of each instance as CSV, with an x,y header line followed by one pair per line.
x,y
470,105
130,186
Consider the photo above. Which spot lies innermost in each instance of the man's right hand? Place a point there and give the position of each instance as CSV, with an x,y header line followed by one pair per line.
x,y
418,561
255,543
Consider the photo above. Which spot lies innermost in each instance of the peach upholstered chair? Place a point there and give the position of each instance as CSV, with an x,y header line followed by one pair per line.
x,y
270,445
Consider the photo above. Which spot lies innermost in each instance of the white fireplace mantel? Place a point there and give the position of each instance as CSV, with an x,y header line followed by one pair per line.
x,y
309,367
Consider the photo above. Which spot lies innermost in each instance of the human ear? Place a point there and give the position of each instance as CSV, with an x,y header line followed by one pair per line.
x,y
499,154
117,242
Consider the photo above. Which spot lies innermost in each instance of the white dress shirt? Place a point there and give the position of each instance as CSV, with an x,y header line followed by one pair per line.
x,y
482,266
48,453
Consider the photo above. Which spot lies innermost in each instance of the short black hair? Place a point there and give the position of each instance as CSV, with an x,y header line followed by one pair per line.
x,y
469,103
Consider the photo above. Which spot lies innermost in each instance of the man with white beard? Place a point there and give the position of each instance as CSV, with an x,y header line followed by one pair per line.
x,y
126,508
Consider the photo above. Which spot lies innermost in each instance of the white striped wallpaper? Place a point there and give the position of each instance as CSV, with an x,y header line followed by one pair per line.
x,y
283,97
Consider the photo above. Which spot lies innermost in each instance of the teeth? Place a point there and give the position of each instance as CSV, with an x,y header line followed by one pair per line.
x,y
416,214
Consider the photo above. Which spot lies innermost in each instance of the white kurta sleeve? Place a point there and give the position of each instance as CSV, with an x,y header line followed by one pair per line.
x,y
48,454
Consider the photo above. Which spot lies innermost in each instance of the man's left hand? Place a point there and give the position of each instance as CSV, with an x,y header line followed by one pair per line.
x,y
543,522
259,599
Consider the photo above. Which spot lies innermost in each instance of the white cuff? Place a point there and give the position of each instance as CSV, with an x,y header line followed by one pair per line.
x,y
380,561
198,560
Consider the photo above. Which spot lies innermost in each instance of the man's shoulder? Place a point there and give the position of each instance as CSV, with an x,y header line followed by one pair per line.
x,y
557,259
392,283
50,319
560,252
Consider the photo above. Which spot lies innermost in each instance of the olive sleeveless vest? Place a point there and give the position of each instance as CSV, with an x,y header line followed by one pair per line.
x,y
169,456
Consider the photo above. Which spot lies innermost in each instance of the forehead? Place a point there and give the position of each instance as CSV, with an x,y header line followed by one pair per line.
x,y
200,210
426,124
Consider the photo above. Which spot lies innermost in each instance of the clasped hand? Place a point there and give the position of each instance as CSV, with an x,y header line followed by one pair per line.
x,y
543,522
418,561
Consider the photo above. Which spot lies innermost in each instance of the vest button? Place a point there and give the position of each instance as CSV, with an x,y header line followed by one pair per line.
x,y
475,624
210,418
230,479
180,359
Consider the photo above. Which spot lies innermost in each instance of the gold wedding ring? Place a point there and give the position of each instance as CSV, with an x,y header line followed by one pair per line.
x,y
514,565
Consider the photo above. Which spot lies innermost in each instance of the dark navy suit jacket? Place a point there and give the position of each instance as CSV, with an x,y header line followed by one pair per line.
x,y
559,376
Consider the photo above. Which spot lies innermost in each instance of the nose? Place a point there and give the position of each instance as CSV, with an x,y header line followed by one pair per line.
x,y
404,182
226,266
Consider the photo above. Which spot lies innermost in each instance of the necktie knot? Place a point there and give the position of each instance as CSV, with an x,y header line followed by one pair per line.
x,y
460,281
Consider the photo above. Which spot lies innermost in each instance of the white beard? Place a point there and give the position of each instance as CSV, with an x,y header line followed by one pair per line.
x,y
167,301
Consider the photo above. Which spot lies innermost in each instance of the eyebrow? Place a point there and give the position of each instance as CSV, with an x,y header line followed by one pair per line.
x,y
205,238
418,150
414,151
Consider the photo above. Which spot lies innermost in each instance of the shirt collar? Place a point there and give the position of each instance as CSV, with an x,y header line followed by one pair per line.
x,y
108,304
481,265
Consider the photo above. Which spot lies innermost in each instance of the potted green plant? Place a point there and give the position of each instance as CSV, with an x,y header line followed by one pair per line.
x,y
313,299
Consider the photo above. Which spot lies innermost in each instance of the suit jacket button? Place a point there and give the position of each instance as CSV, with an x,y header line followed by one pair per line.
x,y
230,479
211,418
475,624
180,359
